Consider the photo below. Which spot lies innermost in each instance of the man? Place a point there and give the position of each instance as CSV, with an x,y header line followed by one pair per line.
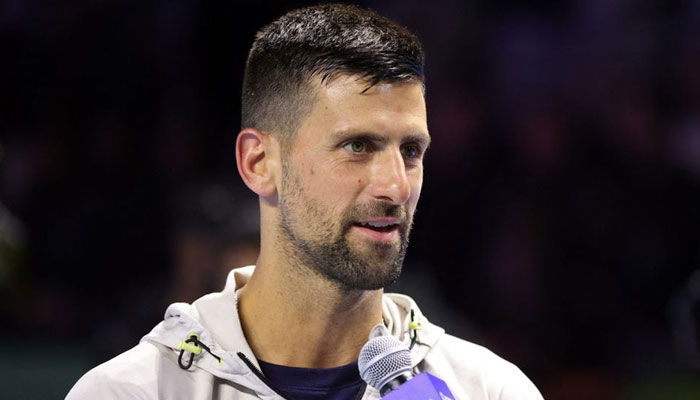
x,y
334,133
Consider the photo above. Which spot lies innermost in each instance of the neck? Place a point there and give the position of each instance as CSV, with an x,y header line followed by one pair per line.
x,y
291,316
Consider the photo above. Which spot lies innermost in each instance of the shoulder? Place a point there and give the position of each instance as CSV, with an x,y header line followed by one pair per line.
x,y
132,374
477,372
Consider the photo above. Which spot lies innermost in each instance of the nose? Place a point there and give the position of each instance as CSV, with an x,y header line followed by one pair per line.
x,y
389,178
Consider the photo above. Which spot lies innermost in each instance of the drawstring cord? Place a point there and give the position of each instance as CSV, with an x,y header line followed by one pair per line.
x,y
413,327
194,346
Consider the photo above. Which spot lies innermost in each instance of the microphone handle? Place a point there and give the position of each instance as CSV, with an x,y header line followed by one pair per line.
x,y
395,383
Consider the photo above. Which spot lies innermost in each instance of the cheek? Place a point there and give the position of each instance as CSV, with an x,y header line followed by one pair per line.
x,y
416,187
332,188
333,181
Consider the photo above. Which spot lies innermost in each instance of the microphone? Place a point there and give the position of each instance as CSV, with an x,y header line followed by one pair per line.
x,y
385,364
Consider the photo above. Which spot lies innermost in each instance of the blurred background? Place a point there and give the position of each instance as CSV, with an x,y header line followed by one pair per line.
x,y
560,217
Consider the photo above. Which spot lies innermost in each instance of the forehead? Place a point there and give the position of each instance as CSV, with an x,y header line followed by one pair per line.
x,y
346,104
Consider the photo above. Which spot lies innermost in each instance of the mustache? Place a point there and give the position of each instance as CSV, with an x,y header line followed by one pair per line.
x,y
377,209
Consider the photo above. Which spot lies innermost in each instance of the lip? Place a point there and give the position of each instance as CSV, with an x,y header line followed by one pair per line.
x,y
387,236
386,220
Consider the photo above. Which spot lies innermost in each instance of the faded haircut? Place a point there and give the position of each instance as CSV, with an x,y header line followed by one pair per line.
x,y
323,42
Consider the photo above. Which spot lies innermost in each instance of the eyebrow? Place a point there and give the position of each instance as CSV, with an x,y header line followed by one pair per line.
x,y
420,138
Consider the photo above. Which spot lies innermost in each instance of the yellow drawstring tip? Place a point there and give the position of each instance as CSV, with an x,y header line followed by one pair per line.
x,y
193,336
190,347
219,362
415,325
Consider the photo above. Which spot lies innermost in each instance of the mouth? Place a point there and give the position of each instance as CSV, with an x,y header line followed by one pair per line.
x,y
379,226
385,230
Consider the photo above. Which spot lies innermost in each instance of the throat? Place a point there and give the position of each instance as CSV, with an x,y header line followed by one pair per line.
x,y
307,329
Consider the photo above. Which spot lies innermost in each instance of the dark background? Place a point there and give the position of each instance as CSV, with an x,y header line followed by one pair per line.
x,y
560,217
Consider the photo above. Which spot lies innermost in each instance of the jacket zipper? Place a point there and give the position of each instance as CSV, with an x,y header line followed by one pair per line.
x,y
362,391
260,375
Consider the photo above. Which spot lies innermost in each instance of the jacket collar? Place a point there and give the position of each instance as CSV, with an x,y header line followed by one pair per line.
x,y
214,318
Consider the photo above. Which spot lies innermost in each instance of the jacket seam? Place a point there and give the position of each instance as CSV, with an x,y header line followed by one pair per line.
x,y
262,377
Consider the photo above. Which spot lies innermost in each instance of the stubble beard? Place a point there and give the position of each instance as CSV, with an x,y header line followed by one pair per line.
x,y
333,257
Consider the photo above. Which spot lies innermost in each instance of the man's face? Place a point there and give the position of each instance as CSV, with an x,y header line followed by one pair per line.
x,y
351,180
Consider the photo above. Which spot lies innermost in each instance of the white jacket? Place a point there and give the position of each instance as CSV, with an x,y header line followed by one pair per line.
x,y
151,370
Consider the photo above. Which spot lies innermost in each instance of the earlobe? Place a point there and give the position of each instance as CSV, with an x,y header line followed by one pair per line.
x,y
254,160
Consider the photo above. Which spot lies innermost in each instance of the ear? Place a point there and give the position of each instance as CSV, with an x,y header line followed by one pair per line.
x,y
256,161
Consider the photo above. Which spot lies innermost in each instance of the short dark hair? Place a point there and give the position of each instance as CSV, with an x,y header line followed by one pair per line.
x,y
321,41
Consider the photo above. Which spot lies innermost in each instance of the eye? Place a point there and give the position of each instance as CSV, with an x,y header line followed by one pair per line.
x,y
410,151
355,146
